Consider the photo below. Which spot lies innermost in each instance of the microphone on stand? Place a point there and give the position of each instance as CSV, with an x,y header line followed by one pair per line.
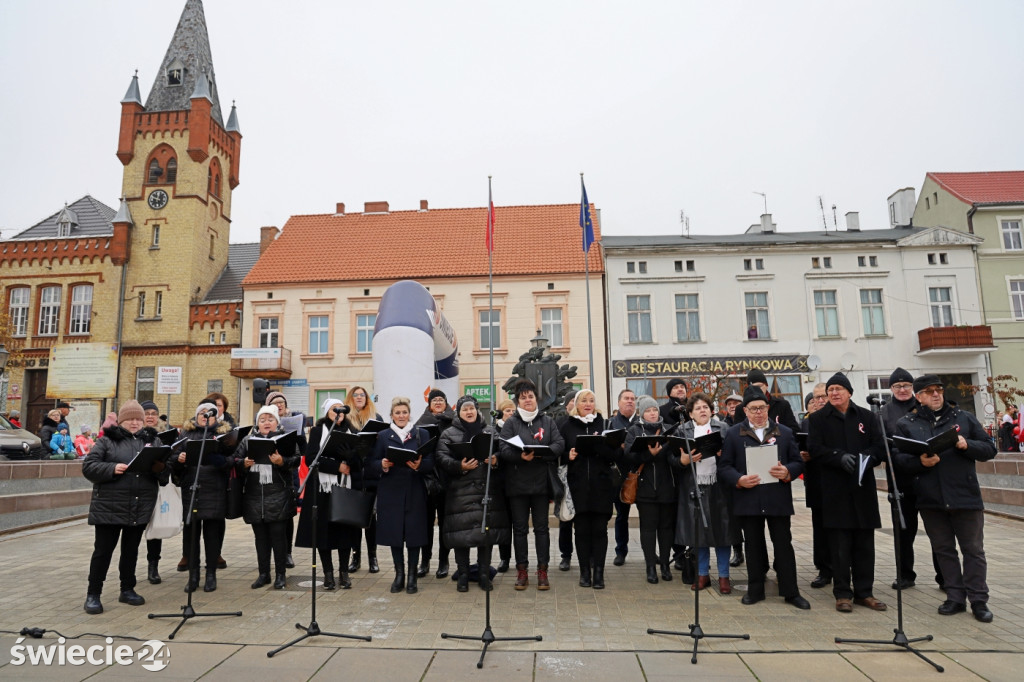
x,y
211,413
876,400
341,409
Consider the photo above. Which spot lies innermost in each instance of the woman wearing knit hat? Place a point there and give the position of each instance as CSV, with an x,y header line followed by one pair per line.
x,y
656,489
278,400
122,503
211,505
268,500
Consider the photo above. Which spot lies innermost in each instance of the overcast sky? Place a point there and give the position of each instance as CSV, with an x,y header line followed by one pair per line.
x,y
666,106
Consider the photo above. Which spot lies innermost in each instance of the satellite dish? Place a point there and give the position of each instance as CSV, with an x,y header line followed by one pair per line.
x,y
847,362
813,362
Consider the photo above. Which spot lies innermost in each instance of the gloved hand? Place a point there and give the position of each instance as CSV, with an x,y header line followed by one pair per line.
x,y
849,463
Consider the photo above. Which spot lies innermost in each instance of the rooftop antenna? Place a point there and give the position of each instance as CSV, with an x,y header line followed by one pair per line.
x,y
684,220
765,197
835,220
821,204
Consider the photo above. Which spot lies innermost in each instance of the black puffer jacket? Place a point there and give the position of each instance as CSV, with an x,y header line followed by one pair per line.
x,y
533,477
120,499
464,509
832,434
46,432
657,482
274,501
953,482
212,497
590,477
441,421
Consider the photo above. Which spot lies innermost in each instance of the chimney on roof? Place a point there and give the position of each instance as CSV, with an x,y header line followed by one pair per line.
x,y
901,206
767,227
375,207
853,221
339,209
423,204
267,235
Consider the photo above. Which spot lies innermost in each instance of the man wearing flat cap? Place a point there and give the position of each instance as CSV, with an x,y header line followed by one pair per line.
x,y
948,494
841,435
779,410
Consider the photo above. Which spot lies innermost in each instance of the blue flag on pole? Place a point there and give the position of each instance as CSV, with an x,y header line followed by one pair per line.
x,y
585,221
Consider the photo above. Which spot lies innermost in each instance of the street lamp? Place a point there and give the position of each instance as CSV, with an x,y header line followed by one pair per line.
x,y
539,341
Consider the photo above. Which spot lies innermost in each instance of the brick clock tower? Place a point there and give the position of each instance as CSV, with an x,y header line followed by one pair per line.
x,y
180,166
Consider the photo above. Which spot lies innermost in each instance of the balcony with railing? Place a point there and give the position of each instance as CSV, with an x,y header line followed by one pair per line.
x,y
961,339
263,368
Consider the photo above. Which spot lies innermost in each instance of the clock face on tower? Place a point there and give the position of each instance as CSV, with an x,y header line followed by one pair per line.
x,y
157,199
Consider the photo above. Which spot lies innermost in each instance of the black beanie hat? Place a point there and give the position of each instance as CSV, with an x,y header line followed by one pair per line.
x,y
752,394
436,393
899,376
839,379
756,376
926,380
463,400
672,383
149,405
807,399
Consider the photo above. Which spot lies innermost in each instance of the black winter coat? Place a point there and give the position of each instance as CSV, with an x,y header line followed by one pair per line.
x,y
722,530
832,434
780,412
212,496
534,477
767,499
657,482
892,413
463,508
274,501
953,482
590,477
671,415
46,432
401,493
328,535
812,473
120,499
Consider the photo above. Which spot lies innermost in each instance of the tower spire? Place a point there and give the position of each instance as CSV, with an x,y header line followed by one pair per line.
x,y
132,95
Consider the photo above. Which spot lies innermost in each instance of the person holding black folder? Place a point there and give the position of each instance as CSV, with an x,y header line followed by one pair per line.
x,y
122,503
363,411
437,413
948,494
722,531
589,458
338,465
759,502
656,488
528,479
464,504
280,401
212,496
400,458
268,500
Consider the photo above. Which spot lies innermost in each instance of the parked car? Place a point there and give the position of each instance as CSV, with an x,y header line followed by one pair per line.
x,y
17,444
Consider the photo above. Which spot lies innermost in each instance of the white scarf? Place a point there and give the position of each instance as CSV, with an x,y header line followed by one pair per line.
x,y
403,433
589,418
707,468
527,417
266,473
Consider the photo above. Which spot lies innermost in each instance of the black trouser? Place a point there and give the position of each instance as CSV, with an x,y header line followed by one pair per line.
x,y
414,559
505,548
103,552
212,531
908,534
853,553
272,535
591,538
371,536
565,539
757,554
523,507
483,559
657,524
153,549
327,561
966,528
435,508
622,528
819,544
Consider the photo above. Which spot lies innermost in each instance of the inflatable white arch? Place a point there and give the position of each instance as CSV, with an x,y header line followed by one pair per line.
x,y
414,348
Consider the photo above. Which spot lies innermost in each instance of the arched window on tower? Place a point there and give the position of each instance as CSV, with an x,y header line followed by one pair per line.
x,y
162,168
172,170
155,172
213,178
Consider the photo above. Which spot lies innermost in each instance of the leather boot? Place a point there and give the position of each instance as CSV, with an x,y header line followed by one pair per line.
x,y
442,568
211,580
522,577
599,578
585,575
423,569
289,562
193,581
652,574
503,566
399,584
329,583
410,586
261,580
221,563
371,559
356,563
183,564
485,580
344,580
463,584
280,581
542,577
154,573
131,597
93,605
666,571
737,555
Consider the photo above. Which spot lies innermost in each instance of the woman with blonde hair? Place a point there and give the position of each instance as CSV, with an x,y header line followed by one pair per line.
x,y
363,410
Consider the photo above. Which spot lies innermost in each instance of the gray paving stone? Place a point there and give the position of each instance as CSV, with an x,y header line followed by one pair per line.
x,y
590,666
906,667
663,667
998,667
251,664
511,666
368,665
805,666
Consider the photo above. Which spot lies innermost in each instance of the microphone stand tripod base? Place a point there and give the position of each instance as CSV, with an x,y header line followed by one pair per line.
x,y
901,641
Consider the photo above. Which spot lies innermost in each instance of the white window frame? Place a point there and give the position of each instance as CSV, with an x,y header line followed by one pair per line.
x,y
1015,287
691,315
1012,230
49,310
323,335
80,323
941,313
142,381
822,316
268,333
639,313
868,330
489,326
755,308
364,332
552,329
158,304
141,312
18,311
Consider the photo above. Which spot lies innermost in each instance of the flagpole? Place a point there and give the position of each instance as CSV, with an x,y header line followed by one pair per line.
x,y
490,292
586,267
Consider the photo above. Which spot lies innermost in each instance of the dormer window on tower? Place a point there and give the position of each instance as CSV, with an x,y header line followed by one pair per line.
x,y
176,73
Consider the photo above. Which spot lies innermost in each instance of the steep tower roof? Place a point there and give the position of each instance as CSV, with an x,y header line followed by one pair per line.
x,y
188,57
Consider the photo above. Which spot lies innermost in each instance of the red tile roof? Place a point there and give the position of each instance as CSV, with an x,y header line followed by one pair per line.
x,y
983,188
431,243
